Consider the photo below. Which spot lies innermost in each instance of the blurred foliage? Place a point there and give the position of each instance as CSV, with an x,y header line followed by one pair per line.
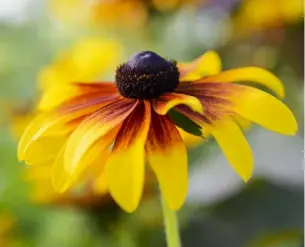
x,y
68,39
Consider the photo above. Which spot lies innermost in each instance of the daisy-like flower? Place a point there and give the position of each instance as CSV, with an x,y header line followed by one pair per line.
x,y
117,127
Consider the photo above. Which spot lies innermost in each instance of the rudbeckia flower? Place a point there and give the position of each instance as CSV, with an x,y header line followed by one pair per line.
x,y
117,127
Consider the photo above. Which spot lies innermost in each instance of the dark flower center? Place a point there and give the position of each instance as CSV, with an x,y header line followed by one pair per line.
x,y
146,75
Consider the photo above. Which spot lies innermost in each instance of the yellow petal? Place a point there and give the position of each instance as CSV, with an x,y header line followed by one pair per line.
x,y
59,94
249,74
56,96
51,76
234,146
33,131
44,151
243,123
100,185
126,165
37,173
94,128
190,140
265,110
60,179
206,65
167,156
93,158
169,100
47,124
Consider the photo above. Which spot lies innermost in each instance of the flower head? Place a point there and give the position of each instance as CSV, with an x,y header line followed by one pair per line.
x,y
117,127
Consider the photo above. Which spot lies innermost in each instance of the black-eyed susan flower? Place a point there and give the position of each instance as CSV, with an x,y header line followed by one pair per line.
x,y
117,127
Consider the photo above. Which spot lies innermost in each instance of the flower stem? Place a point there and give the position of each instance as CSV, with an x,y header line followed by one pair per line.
x,y
171,226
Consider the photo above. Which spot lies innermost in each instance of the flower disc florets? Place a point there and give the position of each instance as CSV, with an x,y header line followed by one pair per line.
x,y
146,75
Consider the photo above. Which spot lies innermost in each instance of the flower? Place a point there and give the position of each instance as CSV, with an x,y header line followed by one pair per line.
x,y
131,14
89,59
113,128
256,15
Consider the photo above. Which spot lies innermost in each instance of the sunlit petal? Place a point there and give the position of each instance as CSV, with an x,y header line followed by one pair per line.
x,y
44,151
242,122
190,140
234,145
249,74
60,179
61,93
100,184
94,128
169,100
167,156
265,110
126,165
50,124
206,65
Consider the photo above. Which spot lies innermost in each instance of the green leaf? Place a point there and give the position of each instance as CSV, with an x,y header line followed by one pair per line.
x,y
184,123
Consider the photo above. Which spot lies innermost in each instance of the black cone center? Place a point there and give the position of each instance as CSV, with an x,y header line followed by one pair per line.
x,y
146,75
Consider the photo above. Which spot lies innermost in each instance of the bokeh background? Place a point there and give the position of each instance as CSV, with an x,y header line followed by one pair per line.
x,y
46,42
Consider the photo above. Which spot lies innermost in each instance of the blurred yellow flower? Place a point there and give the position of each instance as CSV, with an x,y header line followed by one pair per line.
x,y
120,13
126,13
261,14
105,132
89,59
171,4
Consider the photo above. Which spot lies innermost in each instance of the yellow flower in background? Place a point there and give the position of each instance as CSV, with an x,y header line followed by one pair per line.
x,y
126,13
89,59
120,13
112,129
131,14
261,14
72,12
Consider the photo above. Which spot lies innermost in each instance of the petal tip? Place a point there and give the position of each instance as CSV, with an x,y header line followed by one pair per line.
x,y
176,206
128,206
247,178
246,175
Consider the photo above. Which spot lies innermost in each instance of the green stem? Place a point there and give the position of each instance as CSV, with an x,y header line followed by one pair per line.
x,y
171,226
